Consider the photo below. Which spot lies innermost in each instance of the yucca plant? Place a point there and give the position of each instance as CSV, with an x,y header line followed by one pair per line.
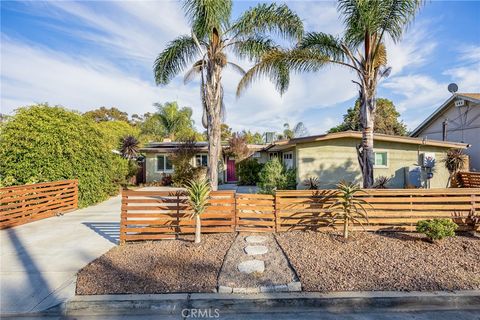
x,y
454,162
347,207
198,192
381,182
311,183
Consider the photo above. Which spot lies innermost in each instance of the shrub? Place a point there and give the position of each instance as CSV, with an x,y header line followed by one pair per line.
x,y
437,229
42,143
311,183
182,162
381,182
248,171
166,180
274,176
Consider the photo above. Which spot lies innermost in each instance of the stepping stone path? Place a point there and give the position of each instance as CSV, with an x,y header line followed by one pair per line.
x,y
244,269
255,250
251,266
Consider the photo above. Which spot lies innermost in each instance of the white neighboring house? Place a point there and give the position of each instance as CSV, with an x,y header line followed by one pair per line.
x,y
457,119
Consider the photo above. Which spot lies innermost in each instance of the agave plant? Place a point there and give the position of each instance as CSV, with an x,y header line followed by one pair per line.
x,y
348,208
311,183
198,192
454,162
381,182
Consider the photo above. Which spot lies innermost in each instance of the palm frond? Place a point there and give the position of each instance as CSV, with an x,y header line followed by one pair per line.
x,y
276,65
271,18
237,68
397,15
174,59
253,47
326,44
205,15
193,72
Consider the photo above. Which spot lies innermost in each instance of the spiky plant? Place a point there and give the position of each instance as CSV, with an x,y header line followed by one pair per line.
x,y
361,49
129,147
381,182
454,162
311,183
347,207
198,192
213,35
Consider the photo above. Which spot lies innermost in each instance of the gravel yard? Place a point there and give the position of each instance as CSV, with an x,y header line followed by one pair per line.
x,y
383,261
157,267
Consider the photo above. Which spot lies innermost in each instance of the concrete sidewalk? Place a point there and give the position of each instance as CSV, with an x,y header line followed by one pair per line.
x,y
39,260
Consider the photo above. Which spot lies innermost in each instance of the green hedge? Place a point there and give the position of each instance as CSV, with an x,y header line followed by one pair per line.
x,y
42,143
274,176
247,171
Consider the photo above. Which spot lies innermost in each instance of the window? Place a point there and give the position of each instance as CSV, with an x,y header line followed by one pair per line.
x,y
381,159
201,160
287,156
273,155
164,163
256,155
288,160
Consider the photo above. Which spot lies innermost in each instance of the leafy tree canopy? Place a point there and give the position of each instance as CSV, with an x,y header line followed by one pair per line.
x,y
252,137
106,114
114,131
297,131
386,119
42,143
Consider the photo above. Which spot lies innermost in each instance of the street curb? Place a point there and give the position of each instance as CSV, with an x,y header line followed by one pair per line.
x,y
173,304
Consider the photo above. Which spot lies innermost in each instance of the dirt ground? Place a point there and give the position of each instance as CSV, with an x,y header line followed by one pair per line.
x,y
277,270
383,261
157,267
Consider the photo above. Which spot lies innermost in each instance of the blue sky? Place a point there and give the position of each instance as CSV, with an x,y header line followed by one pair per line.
x,y
88,54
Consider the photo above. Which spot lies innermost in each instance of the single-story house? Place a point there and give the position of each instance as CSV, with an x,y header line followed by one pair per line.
x,y
157,163
457,119
333,157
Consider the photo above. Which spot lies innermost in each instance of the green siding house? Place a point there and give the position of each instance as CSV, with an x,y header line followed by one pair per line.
x,y
333,157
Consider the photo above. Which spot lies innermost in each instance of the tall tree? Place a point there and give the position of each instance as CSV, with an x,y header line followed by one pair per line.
x,y
252,137
386,119
212,35
298,130
361,49
106,114
176,122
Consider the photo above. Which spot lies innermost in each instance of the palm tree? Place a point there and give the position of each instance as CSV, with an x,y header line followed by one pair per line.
x,y
361,49
198,192
174,120
212,35
298,130
129,147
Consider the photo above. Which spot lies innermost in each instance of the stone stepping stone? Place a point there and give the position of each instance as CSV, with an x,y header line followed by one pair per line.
x,y
256,239
255,250
251,266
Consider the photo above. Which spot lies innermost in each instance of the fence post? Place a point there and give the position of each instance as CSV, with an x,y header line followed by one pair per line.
x,y
275,211
75,195
123,217
235,216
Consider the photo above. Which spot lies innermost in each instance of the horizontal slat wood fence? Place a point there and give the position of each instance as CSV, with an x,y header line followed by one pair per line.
x,y
27,203
155,215
468,179
389,210
255,212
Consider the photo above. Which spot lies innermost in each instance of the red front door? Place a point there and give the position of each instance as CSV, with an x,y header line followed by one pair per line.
x,y
231,170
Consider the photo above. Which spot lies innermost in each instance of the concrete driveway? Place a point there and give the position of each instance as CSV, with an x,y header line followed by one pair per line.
x,y
39,260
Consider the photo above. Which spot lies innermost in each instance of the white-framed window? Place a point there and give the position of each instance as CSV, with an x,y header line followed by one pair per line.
x,y
201,160
164,164
288,159
381,159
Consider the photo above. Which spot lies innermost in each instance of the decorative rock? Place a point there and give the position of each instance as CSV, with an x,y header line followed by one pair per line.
x,y
256,239
281,288
252,290
254,250
295,286
267,288
251,266
224,289
239,290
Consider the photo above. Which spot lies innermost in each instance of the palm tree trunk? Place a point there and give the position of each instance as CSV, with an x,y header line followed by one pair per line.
x,y
345,229
365,156
198,227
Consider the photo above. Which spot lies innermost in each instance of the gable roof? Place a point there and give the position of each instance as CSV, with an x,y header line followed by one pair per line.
x,y
282,145
473,97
